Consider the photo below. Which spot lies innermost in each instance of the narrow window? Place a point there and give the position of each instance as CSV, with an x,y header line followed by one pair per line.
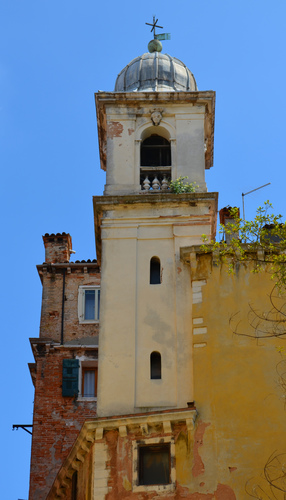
x,y
155,271
88,304
89,382
154,464
74,486
91,305
155,365
155,152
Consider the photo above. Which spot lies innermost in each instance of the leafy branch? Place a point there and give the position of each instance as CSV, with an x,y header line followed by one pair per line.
x,y
181,186
260,241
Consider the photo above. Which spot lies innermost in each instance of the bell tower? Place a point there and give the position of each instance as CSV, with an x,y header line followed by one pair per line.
x,y
155,127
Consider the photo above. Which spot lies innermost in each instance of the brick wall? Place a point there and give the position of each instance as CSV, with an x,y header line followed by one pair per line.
x,y
57,247
75,275
57,419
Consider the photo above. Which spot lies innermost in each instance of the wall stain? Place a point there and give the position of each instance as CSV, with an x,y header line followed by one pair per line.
x,y
232,469
198,467
114,129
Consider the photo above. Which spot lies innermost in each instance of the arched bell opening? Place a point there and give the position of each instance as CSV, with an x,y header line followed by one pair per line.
x,y
155,159
155,152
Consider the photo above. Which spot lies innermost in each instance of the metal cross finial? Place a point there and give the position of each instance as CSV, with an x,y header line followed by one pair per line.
x,y
154,26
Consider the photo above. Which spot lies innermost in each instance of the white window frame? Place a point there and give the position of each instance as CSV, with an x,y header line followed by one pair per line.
x,y
81,304
85,363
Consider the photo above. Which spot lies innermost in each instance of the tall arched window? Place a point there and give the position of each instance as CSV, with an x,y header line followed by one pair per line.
x,y
155,152
155,365
155,271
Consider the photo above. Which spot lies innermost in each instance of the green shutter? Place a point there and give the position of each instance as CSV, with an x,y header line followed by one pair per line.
x,y
70,377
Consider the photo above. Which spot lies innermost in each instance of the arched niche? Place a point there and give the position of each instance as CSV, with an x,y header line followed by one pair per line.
x,y
155,271
155,365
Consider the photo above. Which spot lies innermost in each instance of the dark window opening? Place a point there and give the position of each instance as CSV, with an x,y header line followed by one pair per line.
x,y
155,152
155,271
74,486
154,464
155,365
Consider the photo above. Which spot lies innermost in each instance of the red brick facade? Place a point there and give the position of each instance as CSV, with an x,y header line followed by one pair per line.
x,y
57,418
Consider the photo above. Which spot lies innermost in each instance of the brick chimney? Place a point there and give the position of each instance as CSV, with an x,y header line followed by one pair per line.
x,y
226,218
57,247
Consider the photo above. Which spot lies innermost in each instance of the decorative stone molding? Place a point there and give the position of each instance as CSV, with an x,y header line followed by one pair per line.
x,y
94,431
122,430
156,116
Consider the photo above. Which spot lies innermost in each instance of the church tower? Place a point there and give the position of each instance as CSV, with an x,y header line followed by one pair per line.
x,y
144,386
154,128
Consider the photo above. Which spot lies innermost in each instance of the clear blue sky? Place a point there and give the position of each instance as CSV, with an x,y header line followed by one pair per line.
x,y
55,55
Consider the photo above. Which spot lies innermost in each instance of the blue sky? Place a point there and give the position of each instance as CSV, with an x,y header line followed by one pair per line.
x,y
55,55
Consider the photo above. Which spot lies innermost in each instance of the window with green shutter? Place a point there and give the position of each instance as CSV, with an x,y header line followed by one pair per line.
x,y
70,377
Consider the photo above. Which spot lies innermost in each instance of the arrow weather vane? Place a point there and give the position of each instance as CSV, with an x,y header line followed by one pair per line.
x,y
161,36
154,26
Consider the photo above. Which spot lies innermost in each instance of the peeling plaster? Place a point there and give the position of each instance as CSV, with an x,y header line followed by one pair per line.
x,y
198,467
223,492
114,129
232,469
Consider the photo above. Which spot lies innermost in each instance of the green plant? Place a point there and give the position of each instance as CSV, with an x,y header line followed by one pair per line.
x,y
180,186
261,241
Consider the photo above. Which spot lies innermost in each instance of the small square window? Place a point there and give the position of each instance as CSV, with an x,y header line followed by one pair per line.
x,y
154,464
88,304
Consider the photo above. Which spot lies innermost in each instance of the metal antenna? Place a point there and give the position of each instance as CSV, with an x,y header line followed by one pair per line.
x,y
154,26
244,194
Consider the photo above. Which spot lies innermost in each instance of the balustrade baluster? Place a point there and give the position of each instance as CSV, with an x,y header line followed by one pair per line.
x,y
155,184
146,184
164,184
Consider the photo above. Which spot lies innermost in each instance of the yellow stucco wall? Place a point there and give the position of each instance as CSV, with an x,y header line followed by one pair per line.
x,y
236,387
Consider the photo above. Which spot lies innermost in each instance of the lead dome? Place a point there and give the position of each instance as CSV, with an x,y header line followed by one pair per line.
x,y
155,72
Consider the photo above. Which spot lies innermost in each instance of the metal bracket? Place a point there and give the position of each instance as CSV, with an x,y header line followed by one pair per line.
x,y
22,426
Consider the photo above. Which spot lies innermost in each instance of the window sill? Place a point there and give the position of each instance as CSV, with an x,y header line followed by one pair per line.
x,y
83,398
154,487
88,321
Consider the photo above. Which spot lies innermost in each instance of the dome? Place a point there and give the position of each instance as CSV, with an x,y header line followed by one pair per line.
x,y
155,72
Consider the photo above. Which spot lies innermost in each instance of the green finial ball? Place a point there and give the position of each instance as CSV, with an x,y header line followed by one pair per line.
x,y
155,46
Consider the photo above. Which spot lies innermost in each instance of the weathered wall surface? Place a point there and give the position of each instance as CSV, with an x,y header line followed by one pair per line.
x,y
57,419
52,278
117,470
240,404
138,318
236,390
186,121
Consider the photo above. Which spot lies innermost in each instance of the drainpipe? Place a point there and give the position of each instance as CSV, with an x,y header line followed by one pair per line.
x,y
63,306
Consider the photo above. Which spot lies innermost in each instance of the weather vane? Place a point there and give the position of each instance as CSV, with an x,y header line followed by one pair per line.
x,y
161,36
